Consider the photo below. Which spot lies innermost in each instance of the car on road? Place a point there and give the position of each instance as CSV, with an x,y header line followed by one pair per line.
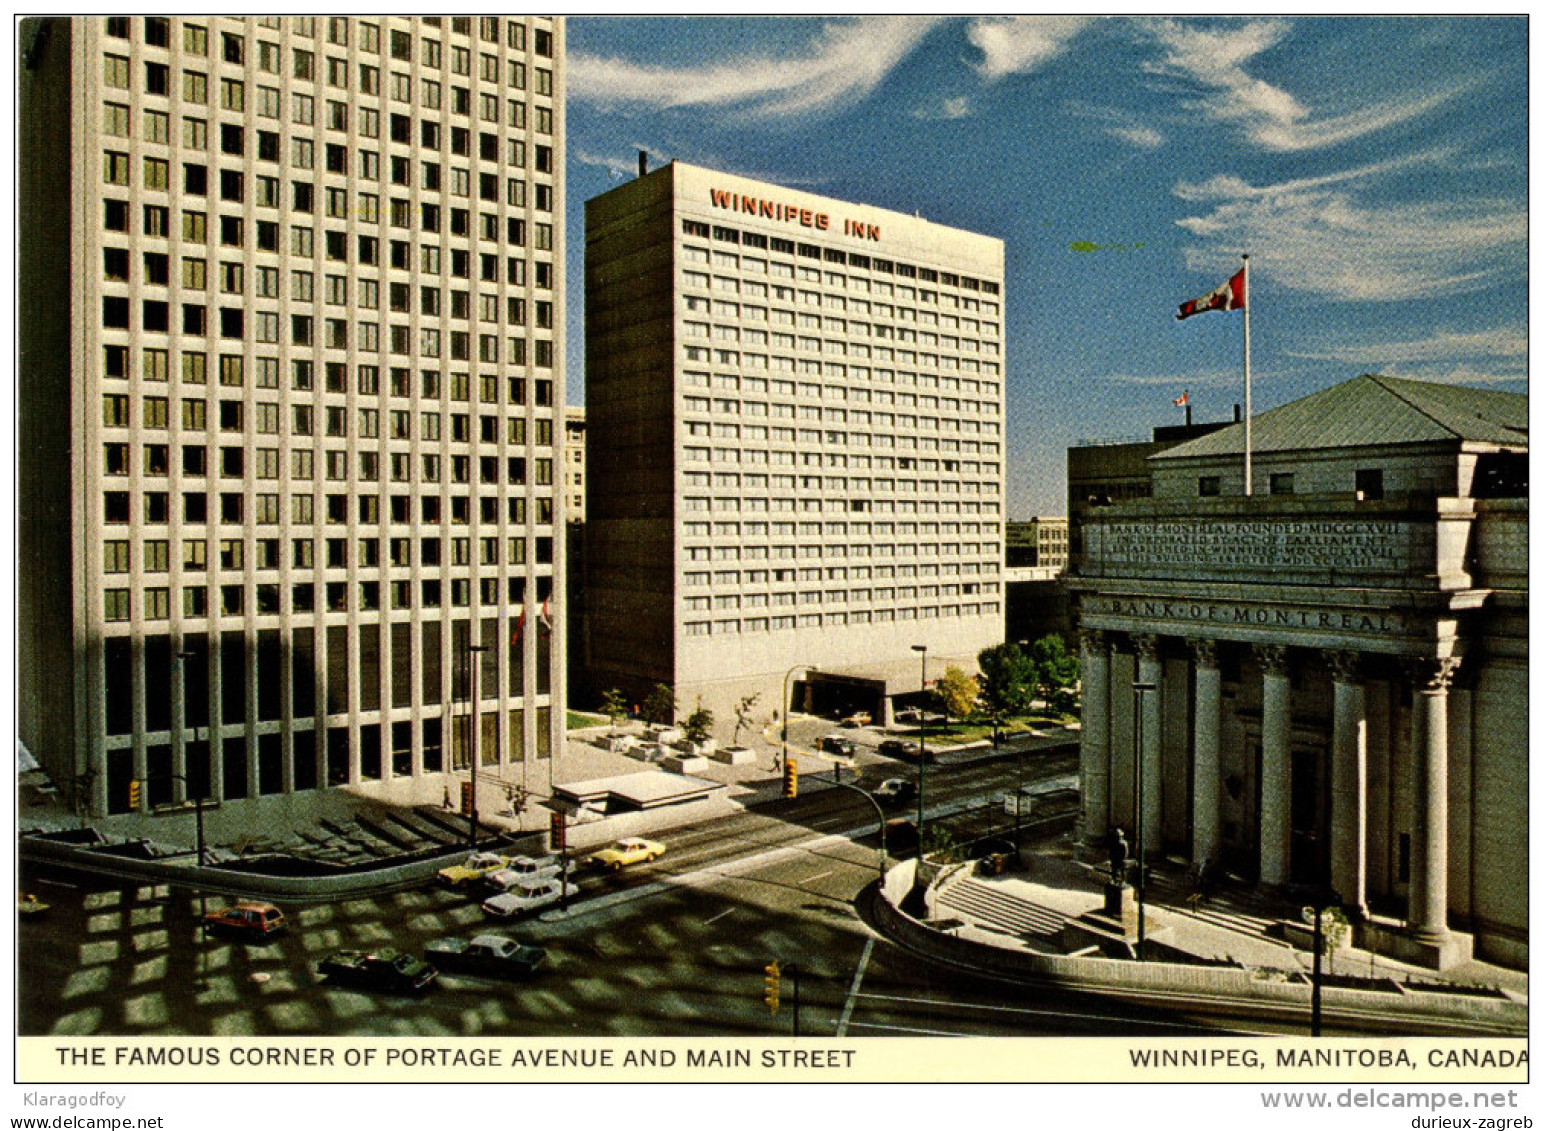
x,y
495,956
525,868
900,835
628,850
255,922
835,744
857,719
895,791
909,751
525,896
383,969
474,868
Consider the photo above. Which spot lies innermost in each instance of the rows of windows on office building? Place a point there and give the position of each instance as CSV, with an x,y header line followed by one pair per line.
x,y
842,459
327,326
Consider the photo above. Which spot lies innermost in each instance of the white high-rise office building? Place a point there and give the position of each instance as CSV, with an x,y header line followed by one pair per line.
x,y
795,452
290,393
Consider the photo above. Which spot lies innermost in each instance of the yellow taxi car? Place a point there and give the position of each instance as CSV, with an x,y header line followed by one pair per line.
x,y
475,867
628,850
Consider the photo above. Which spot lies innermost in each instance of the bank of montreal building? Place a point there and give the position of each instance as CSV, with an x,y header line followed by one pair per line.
x,y
795,443
290,394
1338,663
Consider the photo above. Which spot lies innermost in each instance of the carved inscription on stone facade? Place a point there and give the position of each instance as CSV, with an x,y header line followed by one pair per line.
x,y
1321,545
1228,614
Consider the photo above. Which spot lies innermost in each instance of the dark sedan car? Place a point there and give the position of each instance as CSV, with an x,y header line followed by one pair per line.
x,y
899,748
493,956
378,970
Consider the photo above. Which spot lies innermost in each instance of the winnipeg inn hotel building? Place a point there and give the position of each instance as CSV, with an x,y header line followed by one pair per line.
x,y
796,465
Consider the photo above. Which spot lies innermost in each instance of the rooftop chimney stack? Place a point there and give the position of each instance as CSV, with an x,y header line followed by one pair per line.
x,y
642,162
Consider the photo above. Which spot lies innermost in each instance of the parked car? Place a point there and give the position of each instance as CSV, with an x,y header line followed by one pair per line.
x,y
495,956
895,791
255,922
857,719
628,850
835,744
475,867
908,715
523,897
383,969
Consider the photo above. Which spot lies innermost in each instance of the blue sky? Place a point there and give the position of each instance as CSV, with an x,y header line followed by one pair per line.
x,y
1374,169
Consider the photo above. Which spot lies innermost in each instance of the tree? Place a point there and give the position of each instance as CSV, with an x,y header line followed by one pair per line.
x,y
659,704
957,693
613,704
742,719
698,724
1056,671
1007,679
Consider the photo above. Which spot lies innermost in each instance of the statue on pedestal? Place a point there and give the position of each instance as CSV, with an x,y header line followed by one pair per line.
x,y
1119,856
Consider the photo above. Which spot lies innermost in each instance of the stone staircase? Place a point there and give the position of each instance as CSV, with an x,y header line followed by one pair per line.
x,y
988,906
1243,912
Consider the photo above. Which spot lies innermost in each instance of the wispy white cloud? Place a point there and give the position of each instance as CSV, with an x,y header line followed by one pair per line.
x,y
1125,125
1016,44
846,61
1216,57
1142,137
945,109
1506,343
1320,237
1178,382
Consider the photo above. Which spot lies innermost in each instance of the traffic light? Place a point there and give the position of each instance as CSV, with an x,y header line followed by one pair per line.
x,y
134,794
773,997
559,832
790,778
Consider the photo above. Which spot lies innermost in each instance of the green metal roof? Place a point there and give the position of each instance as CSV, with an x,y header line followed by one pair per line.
x,y
1371,411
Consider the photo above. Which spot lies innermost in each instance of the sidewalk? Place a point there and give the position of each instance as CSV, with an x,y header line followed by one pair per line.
x,y
1236,926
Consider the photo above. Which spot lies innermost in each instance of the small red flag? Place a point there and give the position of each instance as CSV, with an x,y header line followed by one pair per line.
x,y
1180,402
1228,296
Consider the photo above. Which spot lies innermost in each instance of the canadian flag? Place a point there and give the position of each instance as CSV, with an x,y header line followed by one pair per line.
x,y
1228,296
1180,402
545,618
519,627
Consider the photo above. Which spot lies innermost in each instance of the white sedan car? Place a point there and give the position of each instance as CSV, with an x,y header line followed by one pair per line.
x,y
524,897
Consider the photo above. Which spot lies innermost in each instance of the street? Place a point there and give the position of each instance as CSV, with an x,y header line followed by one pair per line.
x,y
673,948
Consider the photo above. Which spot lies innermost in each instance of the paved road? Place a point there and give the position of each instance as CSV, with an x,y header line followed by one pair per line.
x,y
674,948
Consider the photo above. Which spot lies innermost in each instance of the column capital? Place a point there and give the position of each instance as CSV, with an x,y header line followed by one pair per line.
x,y
1432,675
1272,658
1345,663
1149,646
1205,652
1093,639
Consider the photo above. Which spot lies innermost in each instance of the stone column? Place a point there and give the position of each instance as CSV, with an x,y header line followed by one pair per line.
x,y
1149,669
1206,823
1428,850
1347,797
1275,767
1095,736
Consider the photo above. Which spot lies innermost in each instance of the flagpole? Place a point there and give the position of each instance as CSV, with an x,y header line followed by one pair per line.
x,y
1248,389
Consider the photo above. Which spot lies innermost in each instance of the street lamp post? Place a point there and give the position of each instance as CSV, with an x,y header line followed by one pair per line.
x,y
877,808
921,774
473,723
198,802
787,708
1140,690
